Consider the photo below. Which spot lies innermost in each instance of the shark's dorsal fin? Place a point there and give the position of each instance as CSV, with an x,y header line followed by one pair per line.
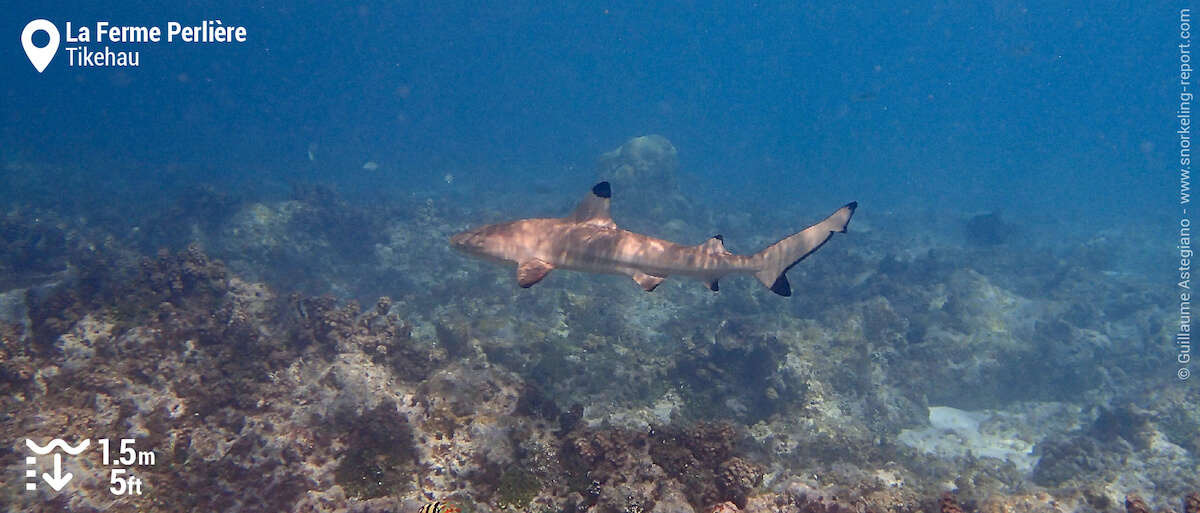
x,y
593,209
715,245
532,271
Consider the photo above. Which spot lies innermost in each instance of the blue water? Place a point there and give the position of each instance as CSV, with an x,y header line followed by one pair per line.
x,y
1000,105
1015,167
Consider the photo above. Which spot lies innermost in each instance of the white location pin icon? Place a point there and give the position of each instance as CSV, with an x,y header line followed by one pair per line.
x,y
40,57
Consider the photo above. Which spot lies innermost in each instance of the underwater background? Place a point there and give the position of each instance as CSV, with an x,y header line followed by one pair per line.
x,y
236,255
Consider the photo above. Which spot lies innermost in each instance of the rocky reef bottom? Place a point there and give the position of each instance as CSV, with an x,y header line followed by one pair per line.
x,y
1022,381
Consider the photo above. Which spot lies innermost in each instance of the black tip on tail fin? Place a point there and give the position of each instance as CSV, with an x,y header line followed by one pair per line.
x,y
778,258
602,190
852,206
782,287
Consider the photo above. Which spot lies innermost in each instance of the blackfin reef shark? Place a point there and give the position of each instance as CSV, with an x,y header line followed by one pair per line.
x,y
589,241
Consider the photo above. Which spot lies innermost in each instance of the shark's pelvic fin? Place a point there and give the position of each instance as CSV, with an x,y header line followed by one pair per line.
x,y
593,210
648,283
779,257
530,272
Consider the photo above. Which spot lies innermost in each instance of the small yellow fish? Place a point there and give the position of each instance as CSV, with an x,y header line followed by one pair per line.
x,y
440,507
371,166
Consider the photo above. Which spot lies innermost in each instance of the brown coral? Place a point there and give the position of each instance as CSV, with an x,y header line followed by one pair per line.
x,y
186,274
698,460
949,503
736,478
16,366
710,442
804,503
1135,504
725,507
1191,503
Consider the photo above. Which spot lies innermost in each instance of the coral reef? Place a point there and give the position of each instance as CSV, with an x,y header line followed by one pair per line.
x,y
988,229
1135,504
616,469
280,241
915,363
645,171
380,458
949,504
647,161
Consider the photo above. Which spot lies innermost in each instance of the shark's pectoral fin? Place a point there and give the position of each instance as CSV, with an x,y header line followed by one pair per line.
x,y
647,282
530,272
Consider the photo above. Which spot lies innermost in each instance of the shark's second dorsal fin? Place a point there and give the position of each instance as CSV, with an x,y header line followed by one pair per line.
x,y
593,209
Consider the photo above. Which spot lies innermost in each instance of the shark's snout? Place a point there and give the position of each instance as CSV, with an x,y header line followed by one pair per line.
x,y
482,242
473,242
466,242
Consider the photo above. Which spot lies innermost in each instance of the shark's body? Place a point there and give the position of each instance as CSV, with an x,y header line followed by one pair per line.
x,y
588,240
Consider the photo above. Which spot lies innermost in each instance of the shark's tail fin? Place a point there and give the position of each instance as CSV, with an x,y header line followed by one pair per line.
x,y
775,261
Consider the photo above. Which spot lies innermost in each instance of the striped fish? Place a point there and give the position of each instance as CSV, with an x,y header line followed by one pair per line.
x,y
440,507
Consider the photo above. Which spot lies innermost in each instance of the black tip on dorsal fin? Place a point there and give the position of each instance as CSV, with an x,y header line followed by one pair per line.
x,y
715,244
602,190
